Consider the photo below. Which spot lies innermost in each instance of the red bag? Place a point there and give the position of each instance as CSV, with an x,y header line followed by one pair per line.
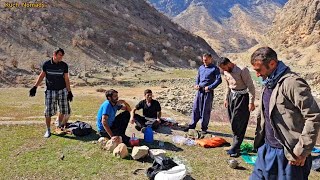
x,y
133,140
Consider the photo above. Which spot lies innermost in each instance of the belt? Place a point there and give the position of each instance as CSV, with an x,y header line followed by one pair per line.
x,y
237,93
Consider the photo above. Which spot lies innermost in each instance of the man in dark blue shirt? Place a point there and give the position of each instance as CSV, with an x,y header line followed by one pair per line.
x,y
58,91
207,80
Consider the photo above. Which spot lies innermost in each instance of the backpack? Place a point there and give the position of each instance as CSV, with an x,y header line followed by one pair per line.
x,y
160,164
80,128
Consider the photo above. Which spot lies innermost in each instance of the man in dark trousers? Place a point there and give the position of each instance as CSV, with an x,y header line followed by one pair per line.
x,y
239,86
151,110
58,91
207,80
289,120
108,124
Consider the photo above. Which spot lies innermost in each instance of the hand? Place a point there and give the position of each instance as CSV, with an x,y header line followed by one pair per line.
x,y
132,120
225,103
196,87
159,121
115,138
70,96
120,102
206,89
299,162
251,107
33,91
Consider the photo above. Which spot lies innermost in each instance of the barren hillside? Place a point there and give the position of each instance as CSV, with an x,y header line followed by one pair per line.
x,y
228,26
95,34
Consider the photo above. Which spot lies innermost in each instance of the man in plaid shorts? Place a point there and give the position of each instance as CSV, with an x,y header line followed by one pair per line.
x,y
58,91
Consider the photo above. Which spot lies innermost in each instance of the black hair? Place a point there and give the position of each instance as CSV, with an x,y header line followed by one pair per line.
x,y
59,50
147,91
110,92
223,61
264,54
207,55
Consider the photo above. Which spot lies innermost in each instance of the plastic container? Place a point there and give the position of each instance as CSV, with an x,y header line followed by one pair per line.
x,y
148,135
179,139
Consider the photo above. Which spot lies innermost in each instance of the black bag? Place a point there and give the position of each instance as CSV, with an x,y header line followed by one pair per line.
x,y
160,163
80,128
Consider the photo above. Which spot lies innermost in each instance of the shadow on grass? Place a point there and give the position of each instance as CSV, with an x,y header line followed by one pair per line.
x,y
91,137
188,177
156,145
227,135
164,130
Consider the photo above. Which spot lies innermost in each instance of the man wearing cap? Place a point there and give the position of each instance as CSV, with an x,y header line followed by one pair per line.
x,y
58,91
207,80
239,87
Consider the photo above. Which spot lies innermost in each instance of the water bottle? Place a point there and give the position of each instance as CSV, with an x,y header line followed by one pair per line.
x,y
148,135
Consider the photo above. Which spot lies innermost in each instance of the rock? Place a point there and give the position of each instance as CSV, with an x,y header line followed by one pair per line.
x,y
121,151
111,144
157,152
139,152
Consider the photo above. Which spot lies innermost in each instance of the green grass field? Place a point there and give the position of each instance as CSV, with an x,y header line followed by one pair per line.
x,y
25,154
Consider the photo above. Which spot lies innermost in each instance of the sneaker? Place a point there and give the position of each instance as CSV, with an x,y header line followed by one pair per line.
x,y
235,155
47,134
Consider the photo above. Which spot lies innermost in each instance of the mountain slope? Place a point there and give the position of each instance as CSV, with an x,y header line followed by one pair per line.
x,y
228,25
95,34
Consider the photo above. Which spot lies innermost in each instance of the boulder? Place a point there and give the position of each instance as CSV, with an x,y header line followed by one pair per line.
x,y
139,152
121,151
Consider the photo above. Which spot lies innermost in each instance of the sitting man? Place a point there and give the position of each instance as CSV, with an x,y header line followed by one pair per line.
x,y
108,124
151,111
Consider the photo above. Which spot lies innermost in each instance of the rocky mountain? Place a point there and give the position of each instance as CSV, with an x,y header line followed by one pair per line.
x,y
296,34
95,34
227,25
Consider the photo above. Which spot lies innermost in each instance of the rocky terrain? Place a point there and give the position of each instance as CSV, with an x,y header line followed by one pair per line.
x,y
228,26
96,35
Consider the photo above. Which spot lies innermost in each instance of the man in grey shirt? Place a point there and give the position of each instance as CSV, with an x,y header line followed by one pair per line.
x,y
239,86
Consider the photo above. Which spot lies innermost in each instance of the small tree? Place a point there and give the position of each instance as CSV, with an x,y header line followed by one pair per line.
x,y
148,59
14,63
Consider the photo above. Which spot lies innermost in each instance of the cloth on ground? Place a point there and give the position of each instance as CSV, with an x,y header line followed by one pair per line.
x,y
212,142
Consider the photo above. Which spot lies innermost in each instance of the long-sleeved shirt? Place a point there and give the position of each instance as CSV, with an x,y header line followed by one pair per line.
x,y
239,79
208,76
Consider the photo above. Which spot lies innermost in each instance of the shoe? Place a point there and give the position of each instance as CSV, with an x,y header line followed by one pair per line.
x,y
203,132
235,155
186,129
137,128
47,134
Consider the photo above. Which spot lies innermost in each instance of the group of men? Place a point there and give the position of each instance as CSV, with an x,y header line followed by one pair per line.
x,y
287,124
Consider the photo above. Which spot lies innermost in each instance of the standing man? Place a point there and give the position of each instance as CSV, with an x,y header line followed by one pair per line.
x,y
151,109
58,91
207,80
289,120
108,124
239,83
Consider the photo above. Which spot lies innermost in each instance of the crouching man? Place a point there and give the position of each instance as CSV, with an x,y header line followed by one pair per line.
x,y
108,124
151,110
